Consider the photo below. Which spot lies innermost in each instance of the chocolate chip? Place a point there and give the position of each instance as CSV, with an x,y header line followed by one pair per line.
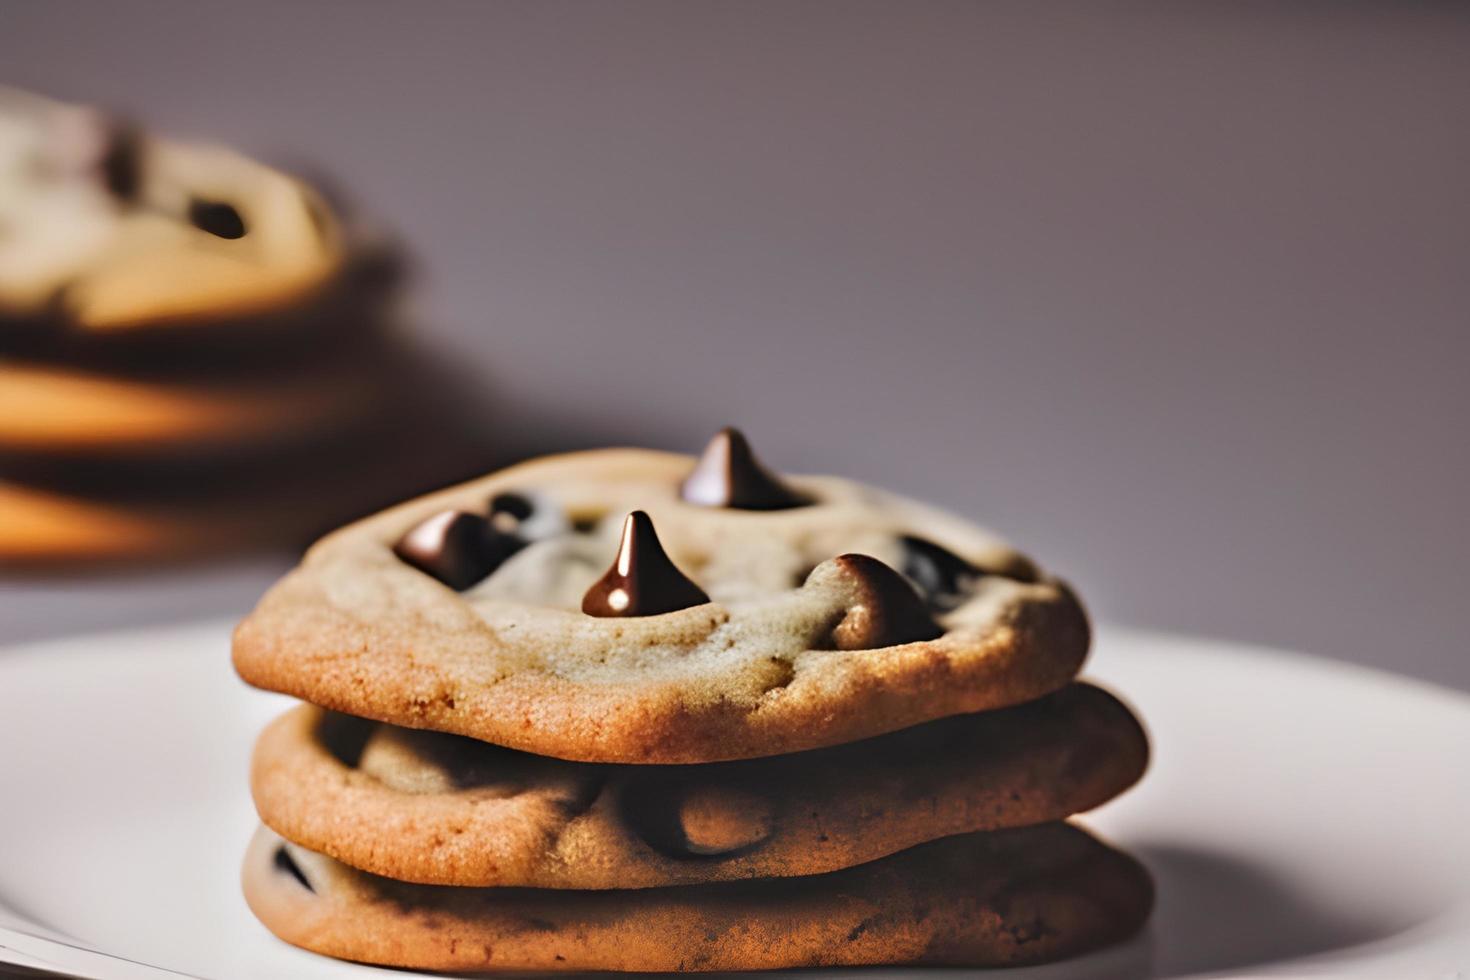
x,y
885,610
943,577
642,581
217,218
528,517
511,504
729,475
509,512
650,809
946,580
284,862
343,736
121,165
456,547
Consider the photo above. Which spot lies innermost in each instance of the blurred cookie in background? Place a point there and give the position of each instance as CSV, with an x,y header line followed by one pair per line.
x,y
107,231
57,410
179,322
88,515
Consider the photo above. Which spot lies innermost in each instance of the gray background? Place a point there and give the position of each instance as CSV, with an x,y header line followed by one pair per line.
x,y
1173,294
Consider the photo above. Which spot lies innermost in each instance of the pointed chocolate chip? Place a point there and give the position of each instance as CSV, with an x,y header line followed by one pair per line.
x,y
456,547
885,610
729,475
217,218
642,580
943,577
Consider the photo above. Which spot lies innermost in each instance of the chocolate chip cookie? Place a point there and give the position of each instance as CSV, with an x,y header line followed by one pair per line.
x,y
630,710
107,228
177,319
635,606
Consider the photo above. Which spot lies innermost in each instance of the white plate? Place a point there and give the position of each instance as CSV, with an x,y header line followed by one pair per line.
x,y
1301,817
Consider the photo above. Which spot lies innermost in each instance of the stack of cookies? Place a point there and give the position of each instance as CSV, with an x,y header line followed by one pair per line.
x,y
183,333
629,710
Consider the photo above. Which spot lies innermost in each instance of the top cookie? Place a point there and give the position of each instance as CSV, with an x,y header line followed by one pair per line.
x,y
110,229
742,615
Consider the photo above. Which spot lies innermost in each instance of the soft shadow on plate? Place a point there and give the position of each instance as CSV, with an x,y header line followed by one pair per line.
x,y
1218,911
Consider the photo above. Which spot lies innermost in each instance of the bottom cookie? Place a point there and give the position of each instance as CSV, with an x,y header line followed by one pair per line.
x,y
1005,898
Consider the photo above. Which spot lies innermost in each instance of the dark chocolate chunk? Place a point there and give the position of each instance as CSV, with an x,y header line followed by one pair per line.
x,y
887,610
509,513
642,581
456,547
121,164
650,808
284,862
217,218
943,577
511,504
344,736
527,516
729,475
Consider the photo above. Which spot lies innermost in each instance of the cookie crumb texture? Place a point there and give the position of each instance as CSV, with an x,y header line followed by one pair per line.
x,y
443,809
800,646
1008,898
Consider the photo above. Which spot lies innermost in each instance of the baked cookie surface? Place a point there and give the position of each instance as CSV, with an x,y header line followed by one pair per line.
x,y
804,614
1000,899
442,809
